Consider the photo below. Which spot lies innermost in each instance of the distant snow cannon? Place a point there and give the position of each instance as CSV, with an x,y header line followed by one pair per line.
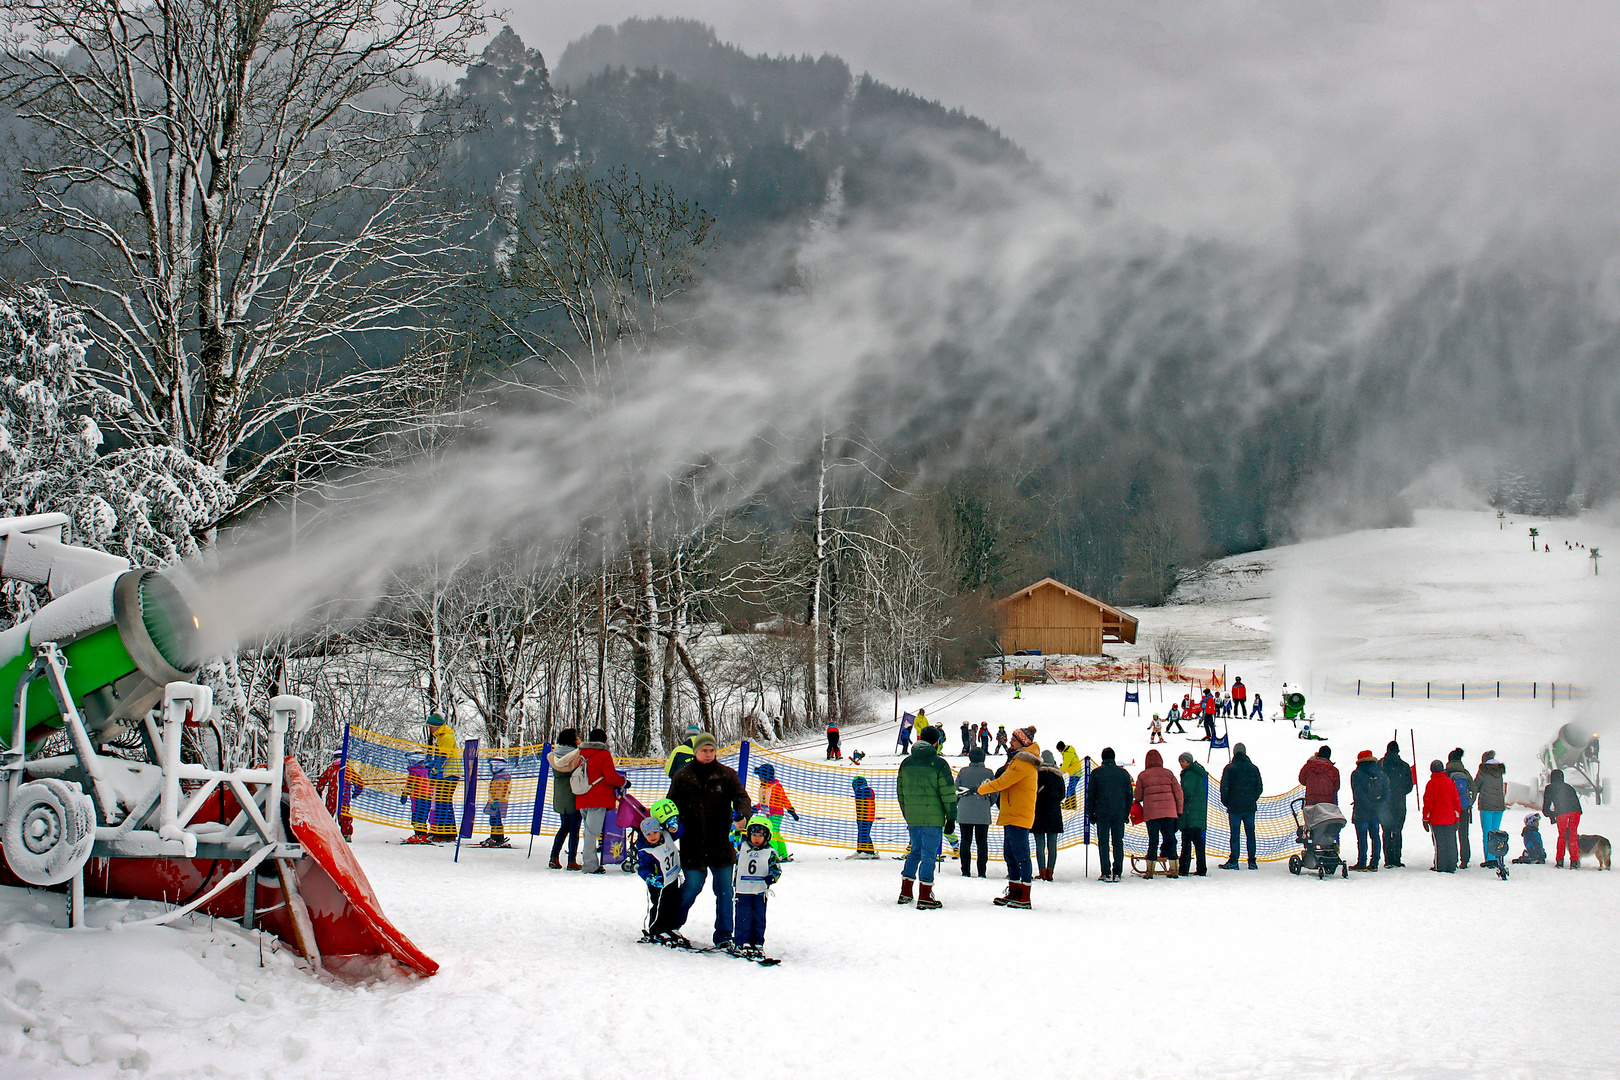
x,y
1574,749
111,654
1293,703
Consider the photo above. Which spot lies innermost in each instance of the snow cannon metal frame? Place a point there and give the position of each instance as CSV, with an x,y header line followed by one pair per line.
x,y
116,648
113,654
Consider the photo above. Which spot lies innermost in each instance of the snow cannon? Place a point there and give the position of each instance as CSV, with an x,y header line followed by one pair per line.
x,y
122,637
1574,749
111,657
1293,702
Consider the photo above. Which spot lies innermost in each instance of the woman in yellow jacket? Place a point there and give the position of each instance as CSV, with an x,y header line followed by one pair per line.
x,y
448,775
1016,785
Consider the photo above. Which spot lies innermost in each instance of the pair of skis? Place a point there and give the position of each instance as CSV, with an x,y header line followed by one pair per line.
x,y
762,961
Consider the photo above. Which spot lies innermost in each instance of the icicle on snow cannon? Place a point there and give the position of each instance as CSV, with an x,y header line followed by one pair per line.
x,y
110,659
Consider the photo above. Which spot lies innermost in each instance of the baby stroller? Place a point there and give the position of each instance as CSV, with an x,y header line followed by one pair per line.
x,y
1316,830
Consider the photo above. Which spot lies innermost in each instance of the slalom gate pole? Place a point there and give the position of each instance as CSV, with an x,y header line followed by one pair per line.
x,y
1411,735
1085,822
539,798
469,800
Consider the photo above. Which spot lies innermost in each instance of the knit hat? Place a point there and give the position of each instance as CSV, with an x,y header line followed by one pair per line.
x,y
1240,749
976,756
1019,739
1325,753
1185,758
701,739
1108,753
932,735
1437,766
649,825
1455,755
1393,747
435,720
1365,755
1047,758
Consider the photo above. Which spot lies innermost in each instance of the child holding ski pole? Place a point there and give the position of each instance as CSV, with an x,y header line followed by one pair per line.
x,y
756,872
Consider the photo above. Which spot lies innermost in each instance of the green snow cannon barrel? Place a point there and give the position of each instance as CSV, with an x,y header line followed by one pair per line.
x,y
1569,748
1293,703
124,637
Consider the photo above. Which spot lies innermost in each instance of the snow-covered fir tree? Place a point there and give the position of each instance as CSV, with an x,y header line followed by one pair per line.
x,y
145,503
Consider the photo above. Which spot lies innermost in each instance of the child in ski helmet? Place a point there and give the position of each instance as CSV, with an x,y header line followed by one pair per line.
x,y
773,797
500,792
756,872
658,863
865,814
1534,850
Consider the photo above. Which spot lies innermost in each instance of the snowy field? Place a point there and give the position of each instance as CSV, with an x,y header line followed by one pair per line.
x,y
1404,973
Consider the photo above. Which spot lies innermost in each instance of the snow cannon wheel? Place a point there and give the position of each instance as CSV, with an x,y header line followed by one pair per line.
x,y
49,830
1294,865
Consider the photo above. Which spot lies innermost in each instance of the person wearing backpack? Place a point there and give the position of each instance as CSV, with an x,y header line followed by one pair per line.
x,y
1458,772
601,779
1401,778
1370,789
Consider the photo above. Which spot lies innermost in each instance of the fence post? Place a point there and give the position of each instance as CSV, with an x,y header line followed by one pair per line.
x,y
1392,689
537,820
1498,687
1358,688
1428,689
343,775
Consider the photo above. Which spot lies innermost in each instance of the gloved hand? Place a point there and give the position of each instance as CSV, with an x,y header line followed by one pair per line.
x,y
950,828
403,799
795,814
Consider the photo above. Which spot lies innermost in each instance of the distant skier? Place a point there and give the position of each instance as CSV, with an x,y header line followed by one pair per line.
x,y
1256,713
903,740
1240,697
984,738
967,738
419,792
1001,739
865,814
1155,730
834,753
1172,722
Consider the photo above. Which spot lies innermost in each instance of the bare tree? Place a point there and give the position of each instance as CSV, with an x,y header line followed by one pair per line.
x,y
1172,649
238,192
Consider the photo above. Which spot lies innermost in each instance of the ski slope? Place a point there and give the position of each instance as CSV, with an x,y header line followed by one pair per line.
x,y
1402,973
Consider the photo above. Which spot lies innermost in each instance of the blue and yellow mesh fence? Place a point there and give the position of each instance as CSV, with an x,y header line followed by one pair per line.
x,y
1456,691
407,785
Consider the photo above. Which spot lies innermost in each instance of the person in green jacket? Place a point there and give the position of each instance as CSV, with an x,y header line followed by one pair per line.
x,y
926,791
1194,812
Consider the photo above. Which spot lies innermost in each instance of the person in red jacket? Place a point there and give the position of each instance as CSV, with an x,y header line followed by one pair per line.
x,y
340,794
1321,778
1442,809
602,795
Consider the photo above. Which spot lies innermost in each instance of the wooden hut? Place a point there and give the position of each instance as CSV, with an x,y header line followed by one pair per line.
x,y
1054,618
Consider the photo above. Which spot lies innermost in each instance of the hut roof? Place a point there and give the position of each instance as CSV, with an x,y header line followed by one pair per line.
x,y
1126,622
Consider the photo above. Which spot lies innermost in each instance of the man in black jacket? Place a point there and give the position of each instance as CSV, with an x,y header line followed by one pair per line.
x,y
1399,775
1240,794
710,796
1108,804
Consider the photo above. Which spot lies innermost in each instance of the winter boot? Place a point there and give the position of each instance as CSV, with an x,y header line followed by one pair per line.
x,y
1007,897
1151,866
925,898
905,891
1020,898
1229,864
575,866
424,838
554,864
1559,864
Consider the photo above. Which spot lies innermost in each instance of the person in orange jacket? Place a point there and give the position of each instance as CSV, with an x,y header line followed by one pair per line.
x,y
1442,809
1018,781
774,802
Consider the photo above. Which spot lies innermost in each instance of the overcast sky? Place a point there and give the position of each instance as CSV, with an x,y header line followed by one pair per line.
x,y
1244,115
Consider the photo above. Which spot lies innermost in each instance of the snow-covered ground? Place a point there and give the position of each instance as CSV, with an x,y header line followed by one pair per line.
x,y
1403,973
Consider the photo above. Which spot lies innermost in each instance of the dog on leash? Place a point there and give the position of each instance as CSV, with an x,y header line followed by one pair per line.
x,y
1597,847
